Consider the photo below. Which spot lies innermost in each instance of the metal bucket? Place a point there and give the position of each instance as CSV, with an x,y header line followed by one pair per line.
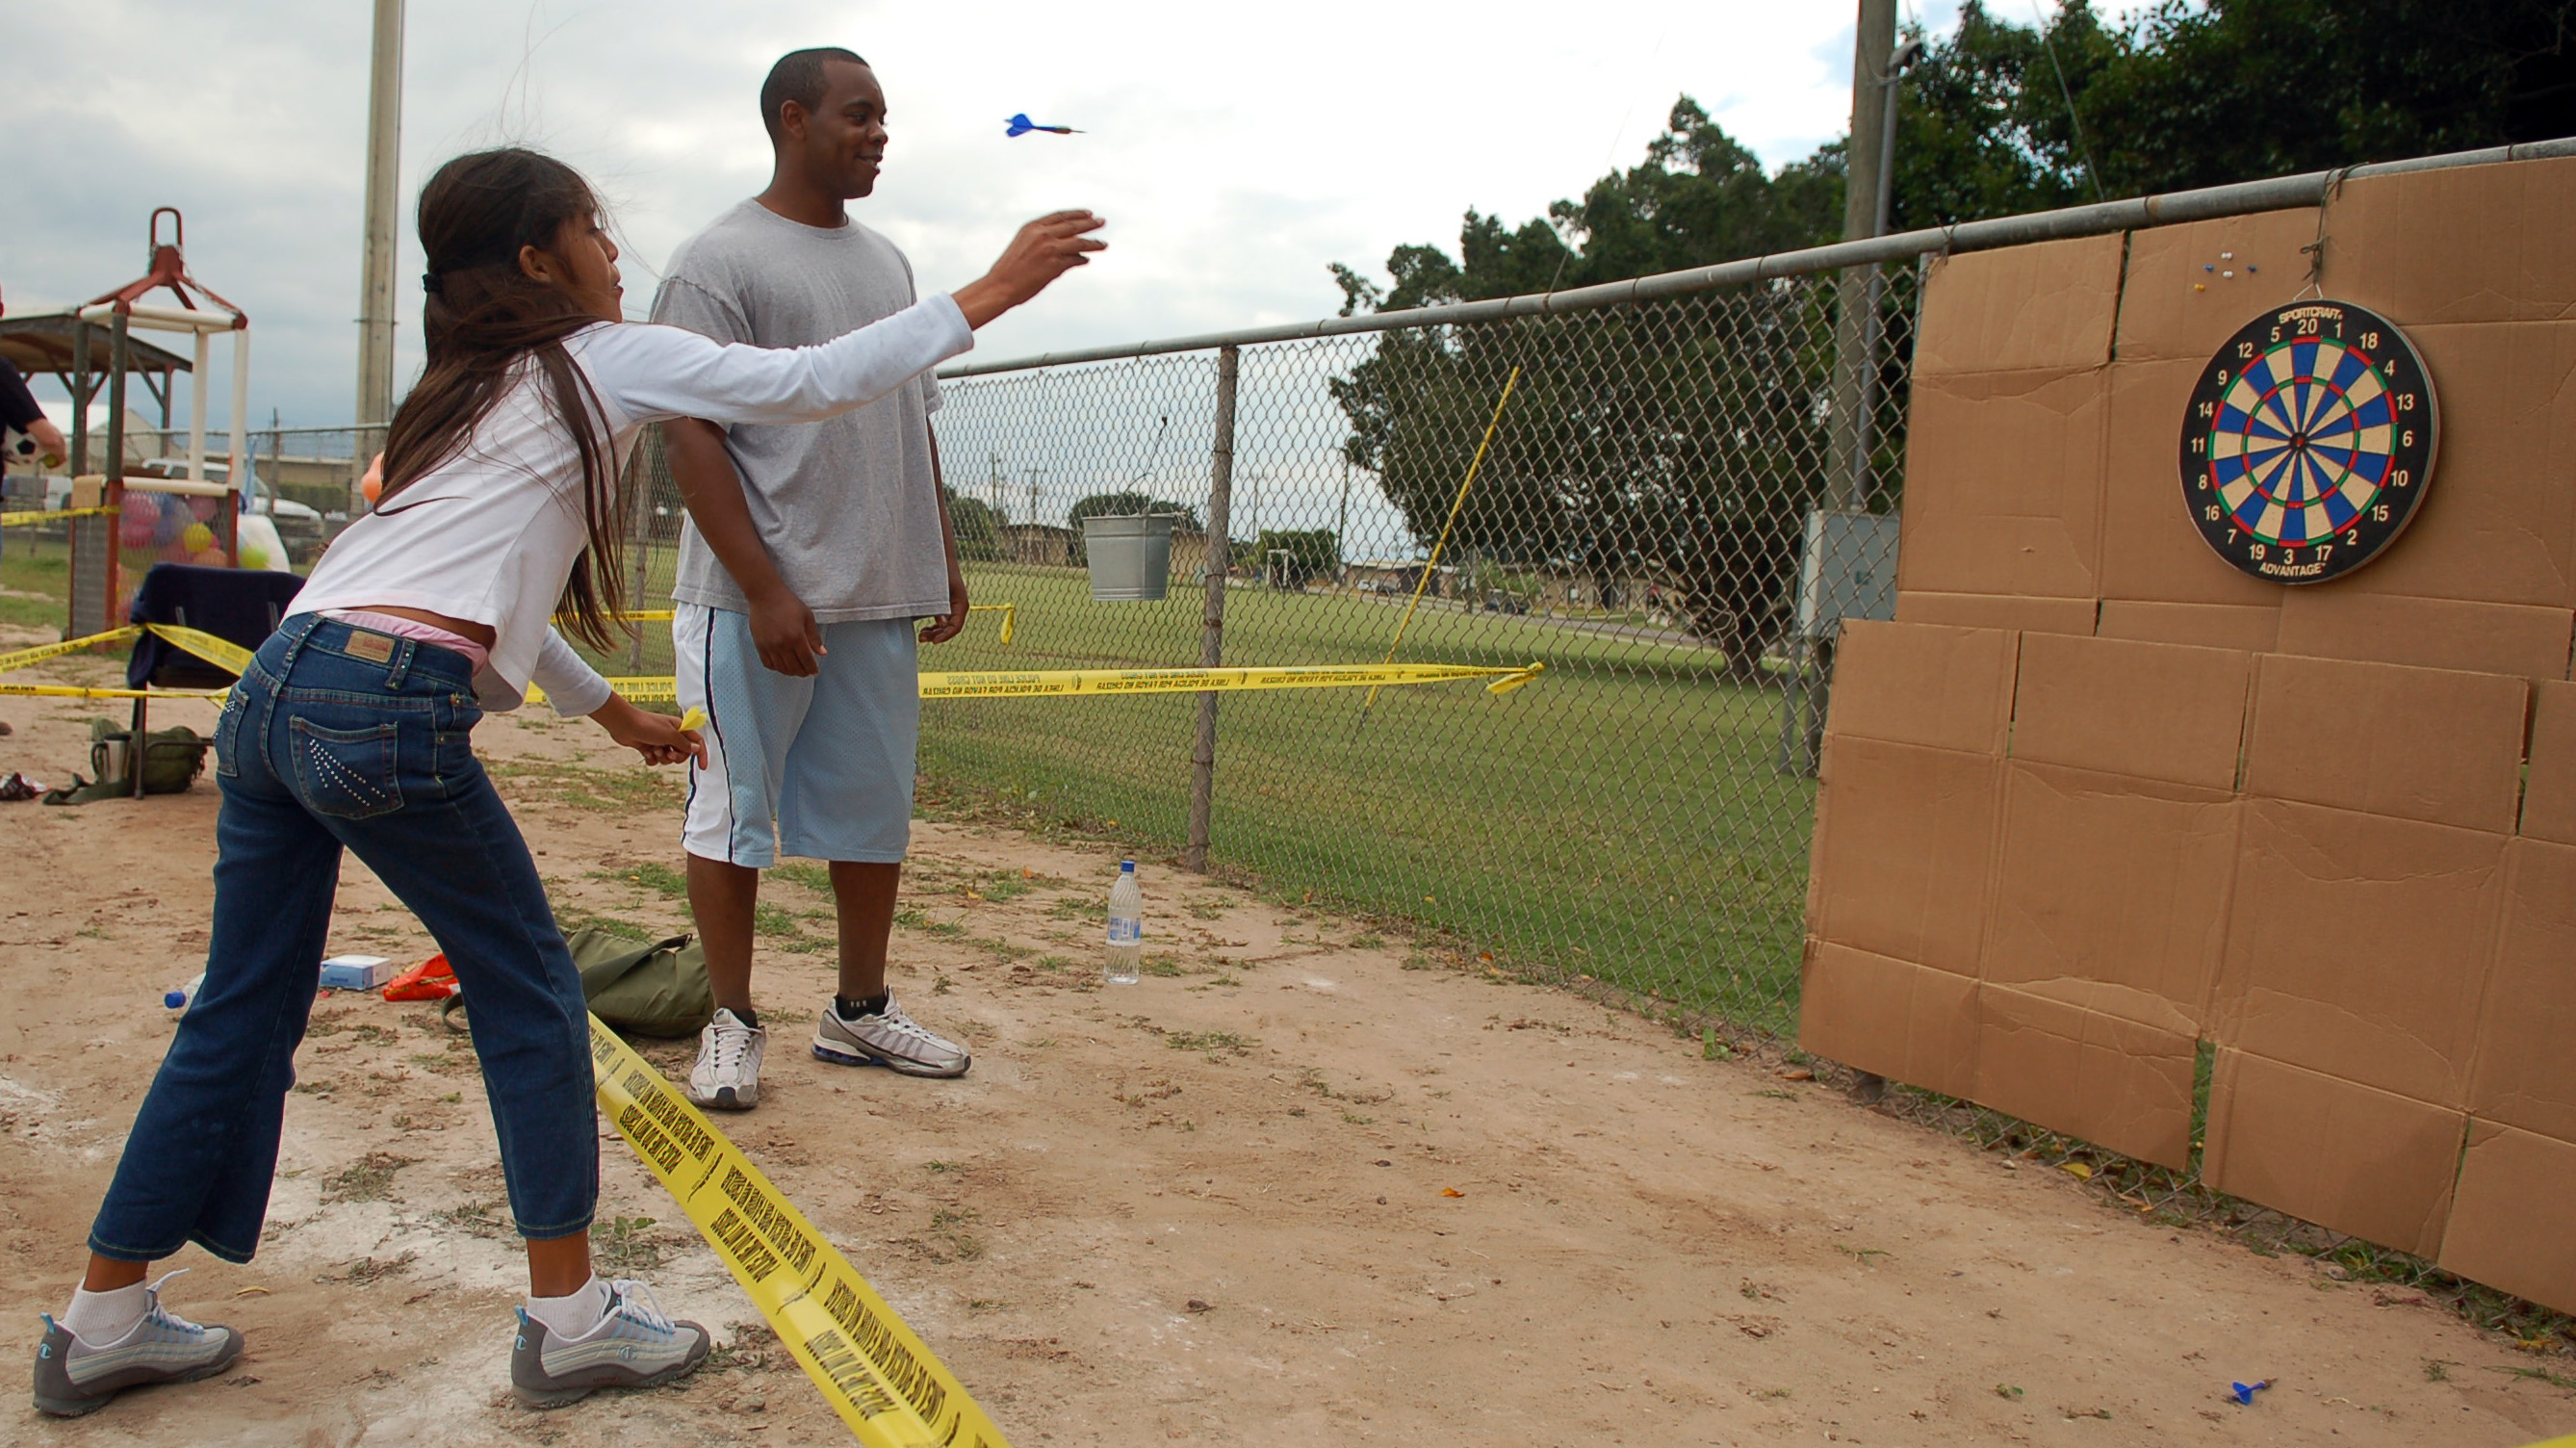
x,y
1131,557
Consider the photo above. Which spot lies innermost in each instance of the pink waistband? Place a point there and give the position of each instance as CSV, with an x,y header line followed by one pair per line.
x,y
412,628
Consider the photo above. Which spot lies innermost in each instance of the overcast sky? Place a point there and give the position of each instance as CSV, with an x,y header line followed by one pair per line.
x,y
1236,149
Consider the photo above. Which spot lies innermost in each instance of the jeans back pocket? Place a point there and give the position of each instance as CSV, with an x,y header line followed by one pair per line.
x,y
347,773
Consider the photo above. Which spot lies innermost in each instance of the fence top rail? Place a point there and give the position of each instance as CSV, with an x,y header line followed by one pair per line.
x,y
2278,193
314,431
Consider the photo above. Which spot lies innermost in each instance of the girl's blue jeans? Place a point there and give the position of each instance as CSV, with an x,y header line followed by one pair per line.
x,y
340,738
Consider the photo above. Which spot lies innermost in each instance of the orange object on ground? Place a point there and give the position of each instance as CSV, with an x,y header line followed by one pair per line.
x,y
430,980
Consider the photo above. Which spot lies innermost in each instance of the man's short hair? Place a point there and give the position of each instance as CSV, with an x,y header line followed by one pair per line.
x,y
798,77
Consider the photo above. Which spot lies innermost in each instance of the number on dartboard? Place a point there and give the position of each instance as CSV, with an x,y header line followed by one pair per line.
x,y
2303,455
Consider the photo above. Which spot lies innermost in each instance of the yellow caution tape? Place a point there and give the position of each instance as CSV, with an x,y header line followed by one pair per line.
x,y
23,657
222,653
1042,683
1199,681
1010,613
20,520
68,691
874,1371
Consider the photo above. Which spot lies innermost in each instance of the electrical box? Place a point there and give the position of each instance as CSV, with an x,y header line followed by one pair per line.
x,y
1848,571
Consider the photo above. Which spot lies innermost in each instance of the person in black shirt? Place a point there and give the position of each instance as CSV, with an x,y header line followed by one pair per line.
x,y
19,413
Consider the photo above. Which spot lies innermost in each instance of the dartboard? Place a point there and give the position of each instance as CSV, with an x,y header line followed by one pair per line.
x,y
2309,442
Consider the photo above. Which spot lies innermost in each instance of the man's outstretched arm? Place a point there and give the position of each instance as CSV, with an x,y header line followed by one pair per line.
x,y
782,627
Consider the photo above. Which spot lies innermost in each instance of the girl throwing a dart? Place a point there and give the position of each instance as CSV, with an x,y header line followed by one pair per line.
x,y
350,731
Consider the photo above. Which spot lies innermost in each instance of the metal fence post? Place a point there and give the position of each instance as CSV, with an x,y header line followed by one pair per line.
x,y
1220,562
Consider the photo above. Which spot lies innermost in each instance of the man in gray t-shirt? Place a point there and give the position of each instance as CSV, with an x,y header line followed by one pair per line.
x,y
810,551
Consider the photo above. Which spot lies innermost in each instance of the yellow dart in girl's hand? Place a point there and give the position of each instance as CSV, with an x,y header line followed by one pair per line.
x,y
695,718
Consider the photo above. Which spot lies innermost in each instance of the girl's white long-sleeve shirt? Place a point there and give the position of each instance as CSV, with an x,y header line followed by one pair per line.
x,y
491,535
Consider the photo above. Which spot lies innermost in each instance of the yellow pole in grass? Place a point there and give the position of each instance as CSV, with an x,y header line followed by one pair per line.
x,y
1455,504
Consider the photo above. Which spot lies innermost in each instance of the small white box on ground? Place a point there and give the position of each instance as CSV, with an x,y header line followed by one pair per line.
x,y
356,972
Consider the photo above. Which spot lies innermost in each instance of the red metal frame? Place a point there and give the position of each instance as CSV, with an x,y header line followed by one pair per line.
x,y
169,268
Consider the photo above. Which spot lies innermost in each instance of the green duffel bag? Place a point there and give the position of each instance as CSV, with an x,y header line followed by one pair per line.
x,y
172,760
656,989
647,989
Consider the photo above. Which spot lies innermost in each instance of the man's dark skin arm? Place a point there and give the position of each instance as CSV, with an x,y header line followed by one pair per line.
x,y
782,627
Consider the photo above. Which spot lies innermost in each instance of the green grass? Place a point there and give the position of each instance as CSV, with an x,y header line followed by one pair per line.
x,y
34,566
1617,818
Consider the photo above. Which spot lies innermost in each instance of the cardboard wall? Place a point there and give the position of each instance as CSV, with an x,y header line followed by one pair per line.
x,y
2097,803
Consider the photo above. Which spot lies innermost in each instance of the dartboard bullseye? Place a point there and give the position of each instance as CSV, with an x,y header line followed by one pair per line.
x,y
2309,443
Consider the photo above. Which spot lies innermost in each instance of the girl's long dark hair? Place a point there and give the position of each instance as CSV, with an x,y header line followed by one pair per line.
x,y
486,322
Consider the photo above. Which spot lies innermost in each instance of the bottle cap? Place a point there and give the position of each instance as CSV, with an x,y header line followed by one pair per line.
x,y
174,998
1126,867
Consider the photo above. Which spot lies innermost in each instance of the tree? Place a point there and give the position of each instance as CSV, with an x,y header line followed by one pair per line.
x,y
1999,118
1682,442
978,526
1687,442
1310,554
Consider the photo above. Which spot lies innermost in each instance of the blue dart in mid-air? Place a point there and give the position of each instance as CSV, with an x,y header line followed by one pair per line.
x,y
1021,125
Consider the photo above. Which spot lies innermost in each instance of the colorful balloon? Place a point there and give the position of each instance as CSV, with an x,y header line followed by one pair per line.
x,y
210,557
135,524
197,538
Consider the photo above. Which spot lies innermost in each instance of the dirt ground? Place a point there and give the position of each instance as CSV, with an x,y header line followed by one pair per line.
x,y
1288,1192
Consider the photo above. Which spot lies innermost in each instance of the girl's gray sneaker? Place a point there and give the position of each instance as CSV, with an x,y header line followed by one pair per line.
x,y
75,1377
634,1346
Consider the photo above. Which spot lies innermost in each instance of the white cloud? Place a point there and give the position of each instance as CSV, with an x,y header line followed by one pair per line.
x,y
1236,149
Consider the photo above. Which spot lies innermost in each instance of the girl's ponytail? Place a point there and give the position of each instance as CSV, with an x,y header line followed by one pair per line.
x,y
484,321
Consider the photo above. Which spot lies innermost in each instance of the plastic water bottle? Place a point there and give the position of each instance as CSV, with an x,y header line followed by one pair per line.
x,y
1126,927
179,997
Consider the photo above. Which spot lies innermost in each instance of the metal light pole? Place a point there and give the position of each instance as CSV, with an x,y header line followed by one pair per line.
x,y
376,282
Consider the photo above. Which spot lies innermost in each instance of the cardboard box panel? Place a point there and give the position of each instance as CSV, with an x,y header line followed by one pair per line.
x,y
2357,945
2049,304
1902,1021
1997,610
1905,852
2337,1153
2465,244
2420,744
2508,1225
2549,788
2434,633
2115,1082
2003,484
2525,1072
2112,894
2157,711
2149,548
1947,688
2499,525
2189,287
2252,628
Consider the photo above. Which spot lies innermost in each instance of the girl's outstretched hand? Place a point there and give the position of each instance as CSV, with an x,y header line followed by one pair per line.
x,y
1045,249
660,738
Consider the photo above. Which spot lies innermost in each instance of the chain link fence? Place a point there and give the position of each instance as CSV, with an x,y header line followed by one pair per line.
x,y
1640,815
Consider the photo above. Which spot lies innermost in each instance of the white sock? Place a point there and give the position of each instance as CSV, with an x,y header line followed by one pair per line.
x,y
99,1318
573,1315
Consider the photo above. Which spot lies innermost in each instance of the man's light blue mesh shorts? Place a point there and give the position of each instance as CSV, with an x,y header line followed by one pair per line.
x,y
820,768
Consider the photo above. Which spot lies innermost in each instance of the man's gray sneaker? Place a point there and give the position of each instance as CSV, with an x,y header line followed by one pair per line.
x,y
634,1346
727,1075
75,1377
888,1038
